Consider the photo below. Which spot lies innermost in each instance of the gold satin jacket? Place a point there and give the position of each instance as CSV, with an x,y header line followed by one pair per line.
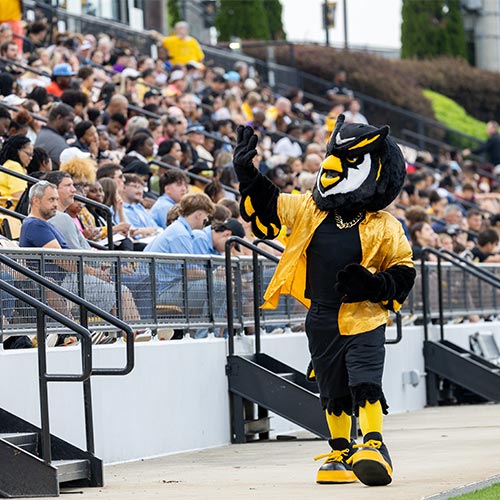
x,y
383,245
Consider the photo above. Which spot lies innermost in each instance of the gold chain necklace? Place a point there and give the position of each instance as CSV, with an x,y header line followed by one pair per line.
x,y
341,224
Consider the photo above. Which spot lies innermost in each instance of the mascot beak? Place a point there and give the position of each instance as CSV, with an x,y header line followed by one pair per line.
x,y
333,172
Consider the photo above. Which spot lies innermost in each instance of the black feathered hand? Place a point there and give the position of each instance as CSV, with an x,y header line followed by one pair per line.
x,y
244,153
355,284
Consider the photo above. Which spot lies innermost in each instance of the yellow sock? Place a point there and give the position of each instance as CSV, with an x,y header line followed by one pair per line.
x,y
340,427
371,418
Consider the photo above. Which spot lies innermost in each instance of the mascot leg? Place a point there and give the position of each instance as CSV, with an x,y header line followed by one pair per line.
x,y
371,462
335,469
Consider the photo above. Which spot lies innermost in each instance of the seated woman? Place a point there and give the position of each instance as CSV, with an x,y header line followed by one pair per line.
x,y
16,155
39,165
98,219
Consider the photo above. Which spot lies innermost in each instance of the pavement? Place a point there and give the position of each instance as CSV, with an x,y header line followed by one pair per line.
x,y
434,450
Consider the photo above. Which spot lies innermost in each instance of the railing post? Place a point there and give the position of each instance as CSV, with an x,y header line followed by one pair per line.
x,y
256,299
43,387
440,299
87,388
425,291
229,298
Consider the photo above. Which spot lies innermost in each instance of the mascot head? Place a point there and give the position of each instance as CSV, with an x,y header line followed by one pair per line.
x,y
363,169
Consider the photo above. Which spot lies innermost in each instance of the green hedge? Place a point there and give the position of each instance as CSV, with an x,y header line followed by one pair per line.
x,y
454,116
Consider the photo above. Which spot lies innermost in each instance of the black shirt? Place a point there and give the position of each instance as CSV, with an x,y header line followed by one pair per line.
x,y
329,251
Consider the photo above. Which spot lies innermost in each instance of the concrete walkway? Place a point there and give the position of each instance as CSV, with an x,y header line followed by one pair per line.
x,y
433,450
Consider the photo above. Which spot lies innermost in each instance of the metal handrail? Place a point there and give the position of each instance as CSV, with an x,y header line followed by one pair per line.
x,y
42,310
447,256
88,306
256,289
83,199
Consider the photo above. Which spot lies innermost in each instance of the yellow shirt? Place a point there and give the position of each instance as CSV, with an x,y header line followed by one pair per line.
x,y
183,50
10,11
383,245
10,184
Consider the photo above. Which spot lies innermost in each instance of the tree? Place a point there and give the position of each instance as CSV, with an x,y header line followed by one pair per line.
x,y
274,11
432,28
174,15
246,19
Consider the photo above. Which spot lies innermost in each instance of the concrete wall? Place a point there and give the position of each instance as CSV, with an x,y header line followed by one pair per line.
x,y
176,398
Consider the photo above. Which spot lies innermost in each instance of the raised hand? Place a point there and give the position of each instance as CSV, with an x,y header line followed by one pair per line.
x,y
244,153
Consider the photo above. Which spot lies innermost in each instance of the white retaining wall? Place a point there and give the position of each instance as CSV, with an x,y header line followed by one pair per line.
x,y
176,398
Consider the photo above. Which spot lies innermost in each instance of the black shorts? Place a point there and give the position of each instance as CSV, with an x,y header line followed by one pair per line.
x,y
341,362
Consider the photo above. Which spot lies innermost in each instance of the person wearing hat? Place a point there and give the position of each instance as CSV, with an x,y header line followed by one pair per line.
x,y
145,82
61,79
152,97
201,169
177,84
211,240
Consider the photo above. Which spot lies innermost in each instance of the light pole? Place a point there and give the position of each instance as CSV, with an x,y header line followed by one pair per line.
x,y
346,44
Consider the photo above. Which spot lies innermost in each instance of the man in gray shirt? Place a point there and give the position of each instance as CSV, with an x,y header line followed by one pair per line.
x,y
51,136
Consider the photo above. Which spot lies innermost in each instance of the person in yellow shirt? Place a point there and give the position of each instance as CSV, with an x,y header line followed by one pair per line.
x,y
11,12
181,47
16,155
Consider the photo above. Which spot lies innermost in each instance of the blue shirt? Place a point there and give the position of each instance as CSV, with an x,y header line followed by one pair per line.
x,y
35,233
138,216
203,242
160,210
177,238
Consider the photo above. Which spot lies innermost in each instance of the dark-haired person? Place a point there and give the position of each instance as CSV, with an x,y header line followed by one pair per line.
x,y
87,139
39,165
52,136
5,120
16,155
486,249
174,184
141,147
78,100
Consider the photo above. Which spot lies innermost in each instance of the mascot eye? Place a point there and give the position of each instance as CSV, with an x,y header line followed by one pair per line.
x,y
352,160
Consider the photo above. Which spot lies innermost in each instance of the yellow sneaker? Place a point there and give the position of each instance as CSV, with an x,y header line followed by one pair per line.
x,y
335,469
371,462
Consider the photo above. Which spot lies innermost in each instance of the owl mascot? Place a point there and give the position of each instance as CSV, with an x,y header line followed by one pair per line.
x,y
349,263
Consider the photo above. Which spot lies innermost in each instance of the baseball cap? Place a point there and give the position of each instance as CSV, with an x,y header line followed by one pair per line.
x,y
63,69
69,153
235,226
130,73
13,100
151,93
85,45
195,128
137,167
177,74
232,76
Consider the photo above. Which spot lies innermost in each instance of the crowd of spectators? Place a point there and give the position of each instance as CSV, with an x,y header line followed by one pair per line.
x,y
130,131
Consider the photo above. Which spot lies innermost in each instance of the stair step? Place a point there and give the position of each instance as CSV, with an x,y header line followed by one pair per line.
x,y
28,441
71,470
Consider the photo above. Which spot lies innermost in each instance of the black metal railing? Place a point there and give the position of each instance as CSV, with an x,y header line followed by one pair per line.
x,y
43,310
466,267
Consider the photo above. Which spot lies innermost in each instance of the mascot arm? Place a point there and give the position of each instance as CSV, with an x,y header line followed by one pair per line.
x,y
259,196
391,287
